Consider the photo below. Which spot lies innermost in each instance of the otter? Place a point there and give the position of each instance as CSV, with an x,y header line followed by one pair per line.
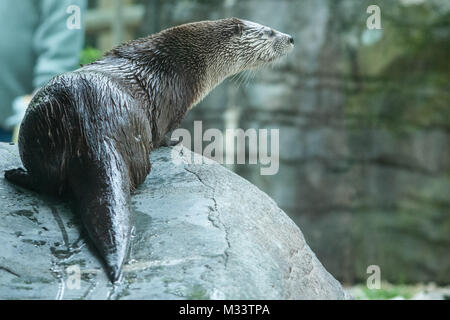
x,y
89,133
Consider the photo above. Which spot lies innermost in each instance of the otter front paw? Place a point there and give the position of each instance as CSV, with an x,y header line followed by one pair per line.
x,y
13,174
20,177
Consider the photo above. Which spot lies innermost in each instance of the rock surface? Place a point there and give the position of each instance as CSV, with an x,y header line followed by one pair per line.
x,y
202,232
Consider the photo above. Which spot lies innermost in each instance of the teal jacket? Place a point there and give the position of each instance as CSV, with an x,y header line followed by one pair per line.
x,y
35,45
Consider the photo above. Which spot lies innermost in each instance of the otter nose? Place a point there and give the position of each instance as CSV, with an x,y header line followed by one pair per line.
x,y
291,40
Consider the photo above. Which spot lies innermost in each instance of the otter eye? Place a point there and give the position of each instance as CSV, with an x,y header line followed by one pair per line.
x,y
269,32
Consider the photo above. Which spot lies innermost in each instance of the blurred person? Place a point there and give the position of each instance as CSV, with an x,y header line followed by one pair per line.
x,y
36,45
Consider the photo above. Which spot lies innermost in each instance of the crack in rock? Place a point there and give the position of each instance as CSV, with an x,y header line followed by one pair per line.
x,y
215,219
9,271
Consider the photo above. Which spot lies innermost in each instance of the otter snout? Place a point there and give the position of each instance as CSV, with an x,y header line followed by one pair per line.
x,y
288,38
273,33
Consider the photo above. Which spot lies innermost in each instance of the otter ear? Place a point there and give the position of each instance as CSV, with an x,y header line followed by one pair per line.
x,y
238,29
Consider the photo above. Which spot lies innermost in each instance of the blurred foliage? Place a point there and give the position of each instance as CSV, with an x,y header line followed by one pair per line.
x,y
89,55
383,294
387,291
407,73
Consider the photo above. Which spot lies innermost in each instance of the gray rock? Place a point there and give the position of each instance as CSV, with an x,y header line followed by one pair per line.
x,y
202,232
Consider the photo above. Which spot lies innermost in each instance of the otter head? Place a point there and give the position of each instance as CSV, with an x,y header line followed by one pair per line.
x,y
235,45
256,45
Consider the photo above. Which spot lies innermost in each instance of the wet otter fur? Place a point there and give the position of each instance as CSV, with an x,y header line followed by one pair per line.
x,y
88,133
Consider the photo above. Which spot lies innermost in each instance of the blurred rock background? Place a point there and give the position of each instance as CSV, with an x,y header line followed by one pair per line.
x,y
364,120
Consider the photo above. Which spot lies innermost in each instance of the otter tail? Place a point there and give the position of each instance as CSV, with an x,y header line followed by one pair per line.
x,y
102,193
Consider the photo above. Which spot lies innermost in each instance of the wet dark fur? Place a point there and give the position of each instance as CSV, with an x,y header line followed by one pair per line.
x,y
88,133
